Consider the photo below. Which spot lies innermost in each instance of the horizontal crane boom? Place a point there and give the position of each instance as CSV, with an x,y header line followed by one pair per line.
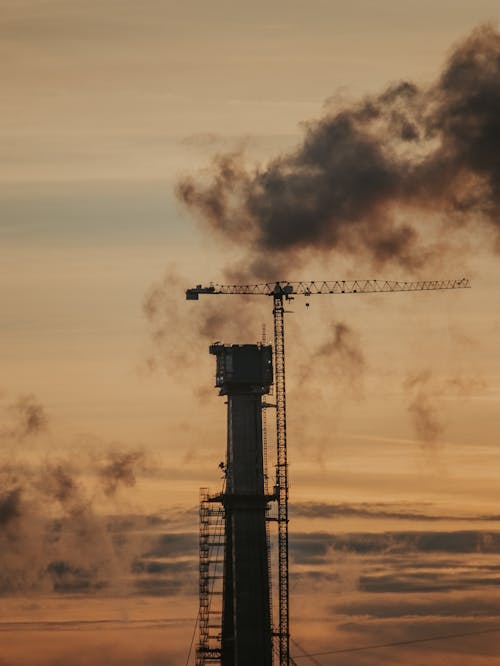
x,y
287,289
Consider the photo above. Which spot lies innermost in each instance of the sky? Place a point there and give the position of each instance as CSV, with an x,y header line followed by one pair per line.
x,y
152,146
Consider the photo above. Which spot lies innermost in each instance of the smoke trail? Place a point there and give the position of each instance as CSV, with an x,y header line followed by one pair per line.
x,y
355,183
10,501
425,404
345,355
168,313
341,356
423,407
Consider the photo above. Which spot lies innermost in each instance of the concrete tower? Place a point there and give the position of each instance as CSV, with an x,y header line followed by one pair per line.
x,y
244,373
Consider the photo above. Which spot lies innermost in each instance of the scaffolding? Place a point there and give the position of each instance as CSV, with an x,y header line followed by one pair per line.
x,y
212,542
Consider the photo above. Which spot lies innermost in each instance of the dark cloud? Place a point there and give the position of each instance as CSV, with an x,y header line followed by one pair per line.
x,y
158,567
378,511
175,544
425,393
28,418
316,546
58,483
168,313
309,548
428,581
68,578
120,468
313,577
52,535
358,172
31,415
423,407
10,506
477,605
340,355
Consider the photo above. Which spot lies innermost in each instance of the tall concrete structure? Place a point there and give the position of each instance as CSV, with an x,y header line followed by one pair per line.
x,y
244,374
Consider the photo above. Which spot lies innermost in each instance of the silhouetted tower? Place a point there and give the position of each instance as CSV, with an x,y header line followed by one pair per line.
x,y
244,373
209,648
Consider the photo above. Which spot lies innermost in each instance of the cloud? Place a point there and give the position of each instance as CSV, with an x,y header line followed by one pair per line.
x,y
28,418
105,655
53,536
175,544
376,511
425,392
309,547
168,313
120,468
484,604
341,355
423,408
10,510
354,184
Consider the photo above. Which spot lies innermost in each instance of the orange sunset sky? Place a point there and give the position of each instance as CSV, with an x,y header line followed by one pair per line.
x,y
109,422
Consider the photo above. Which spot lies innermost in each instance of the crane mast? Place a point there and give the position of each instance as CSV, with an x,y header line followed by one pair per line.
x,y
281,477
280,292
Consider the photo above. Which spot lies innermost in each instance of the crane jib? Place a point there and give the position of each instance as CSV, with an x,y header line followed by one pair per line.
x,y
285,288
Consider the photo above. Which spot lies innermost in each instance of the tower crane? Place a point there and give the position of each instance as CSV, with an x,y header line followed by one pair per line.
x,y
280,292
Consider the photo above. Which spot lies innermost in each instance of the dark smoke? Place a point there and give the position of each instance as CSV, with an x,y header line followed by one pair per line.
x,y
212,318
52,534
28,416
10,506
425,393
355,183
120,469
344,353
58,483
423,407
341,357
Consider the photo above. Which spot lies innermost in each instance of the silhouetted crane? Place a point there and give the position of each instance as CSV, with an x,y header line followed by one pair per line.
x,y
280,292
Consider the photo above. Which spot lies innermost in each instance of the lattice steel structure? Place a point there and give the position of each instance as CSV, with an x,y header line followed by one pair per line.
x,y
212,543
283,633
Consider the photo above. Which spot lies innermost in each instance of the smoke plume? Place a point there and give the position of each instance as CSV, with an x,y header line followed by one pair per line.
x,y
27,416
362,173
340,356
52,536
120,468
426,391
343,351
211,319
422,407
9,506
